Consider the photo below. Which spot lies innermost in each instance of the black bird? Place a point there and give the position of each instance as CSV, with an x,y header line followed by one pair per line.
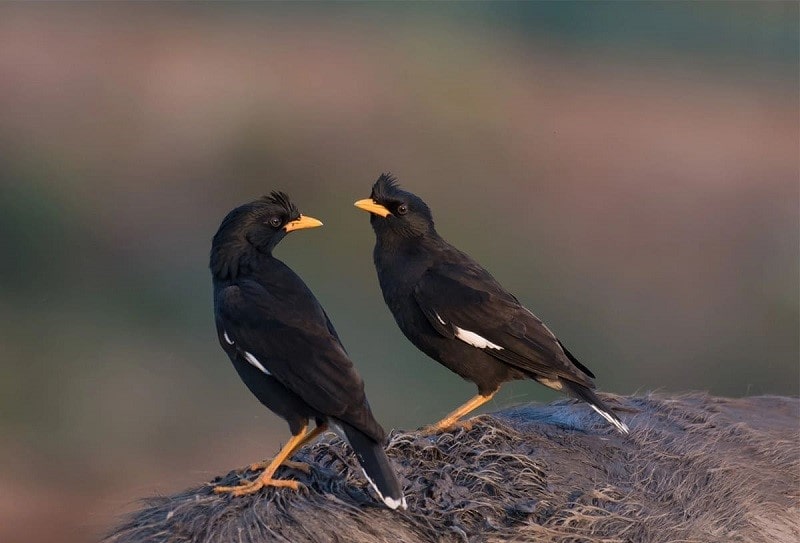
x,y
285,348
454,311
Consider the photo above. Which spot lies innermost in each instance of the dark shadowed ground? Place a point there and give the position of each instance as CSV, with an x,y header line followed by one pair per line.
x,y
695,468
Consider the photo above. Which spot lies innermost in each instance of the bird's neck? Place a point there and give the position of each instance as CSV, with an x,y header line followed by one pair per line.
x,y
404,259
395,241
232,260
393,247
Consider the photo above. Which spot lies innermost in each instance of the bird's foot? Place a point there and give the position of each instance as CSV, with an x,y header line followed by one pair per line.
x,y
264,464
249,487
299,466
255,466
448,426
465,425
453,420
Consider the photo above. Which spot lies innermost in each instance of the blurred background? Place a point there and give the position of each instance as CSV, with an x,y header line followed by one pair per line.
x,y
628,170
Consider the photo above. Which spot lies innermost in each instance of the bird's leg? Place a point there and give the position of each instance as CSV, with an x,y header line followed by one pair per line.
x,y
265,479
451,420
302,466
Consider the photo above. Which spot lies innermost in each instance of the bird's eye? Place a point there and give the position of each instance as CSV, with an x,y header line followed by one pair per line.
x,y
402,209
275,222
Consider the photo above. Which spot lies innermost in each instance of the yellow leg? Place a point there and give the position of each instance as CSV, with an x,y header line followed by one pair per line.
x,y
302,466
265,479
450,420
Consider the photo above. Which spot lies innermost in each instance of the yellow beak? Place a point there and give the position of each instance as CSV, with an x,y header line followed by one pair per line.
x,y
302,222
368,204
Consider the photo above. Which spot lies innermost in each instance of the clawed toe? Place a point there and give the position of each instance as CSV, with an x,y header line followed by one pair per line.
x,y
299,466
245,487
442,428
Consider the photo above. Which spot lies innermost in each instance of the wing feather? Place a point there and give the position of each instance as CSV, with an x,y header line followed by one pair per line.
x,y
455,299
297,345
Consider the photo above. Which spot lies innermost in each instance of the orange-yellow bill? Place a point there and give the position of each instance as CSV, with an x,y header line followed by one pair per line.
x,y
368,204
302,222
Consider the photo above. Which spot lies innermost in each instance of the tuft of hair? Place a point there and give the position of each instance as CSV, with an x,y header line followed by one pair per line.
x,y
282,199
385,187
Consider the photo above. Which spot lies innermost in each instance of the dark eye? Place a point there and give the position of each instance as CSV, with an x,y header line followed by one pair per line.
x,y
275,222
402,209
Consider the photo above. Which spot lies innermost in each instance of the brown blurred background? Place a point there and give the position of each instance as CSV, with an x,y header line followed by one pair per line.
x,y
629,170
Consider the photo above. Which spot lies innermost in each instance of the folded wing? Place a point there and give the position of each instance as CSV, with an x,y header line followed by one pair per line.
x,y
472,307
299,348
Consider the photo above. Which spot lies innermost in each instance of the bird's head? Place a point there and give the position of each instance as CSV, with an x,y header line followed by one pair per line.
x,y
252,229
396,211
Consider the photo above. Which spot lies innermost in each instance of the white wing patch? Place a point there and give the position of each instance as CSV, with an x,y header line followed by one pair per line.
x,y
439,318
227,338
254,361
474,339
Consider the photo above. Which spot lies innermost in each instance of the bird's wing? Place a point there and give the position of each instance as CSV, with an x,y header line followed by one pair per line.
x,y
467,304
332,330
294,343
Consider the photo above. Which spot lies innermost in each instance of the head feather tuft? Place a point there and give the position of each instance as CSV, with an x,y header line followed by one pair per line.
x,y
385,187
282,199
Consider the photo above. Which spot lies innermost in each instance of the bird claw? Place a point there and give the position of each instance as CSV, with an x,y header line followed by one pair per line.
x,y
250,487
257,466
447,426
465,425
299,466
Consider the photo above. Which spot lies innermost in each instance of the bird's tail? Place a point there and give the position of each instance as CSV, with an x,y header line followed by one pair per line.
x,y
376,466
587,395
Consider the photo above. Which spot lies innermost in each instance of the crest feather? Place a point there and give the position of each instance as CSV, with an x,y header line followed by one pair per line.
x,y
282,199
386,186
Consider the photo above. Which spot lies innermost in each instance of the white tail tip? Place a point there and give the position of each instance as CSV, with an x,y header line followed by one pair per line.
x,y
391,503
618,424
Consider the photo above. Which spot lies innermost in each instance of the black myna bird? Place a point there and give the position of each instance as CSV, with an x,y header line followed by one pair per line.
x,y
454,311
285,348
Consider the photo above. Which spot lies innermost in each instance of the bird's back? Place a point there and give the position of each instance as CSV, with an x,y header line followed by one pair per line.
x,y
304,341
400,267
432,273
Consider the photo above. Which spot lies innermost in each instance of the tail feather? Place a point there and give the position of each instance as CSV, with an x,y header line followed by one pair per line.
x,y
587,395
376,466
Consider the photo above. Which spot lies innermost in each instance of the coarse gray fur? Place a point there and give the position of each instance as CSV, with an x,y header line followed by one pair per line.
x,y
695,468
